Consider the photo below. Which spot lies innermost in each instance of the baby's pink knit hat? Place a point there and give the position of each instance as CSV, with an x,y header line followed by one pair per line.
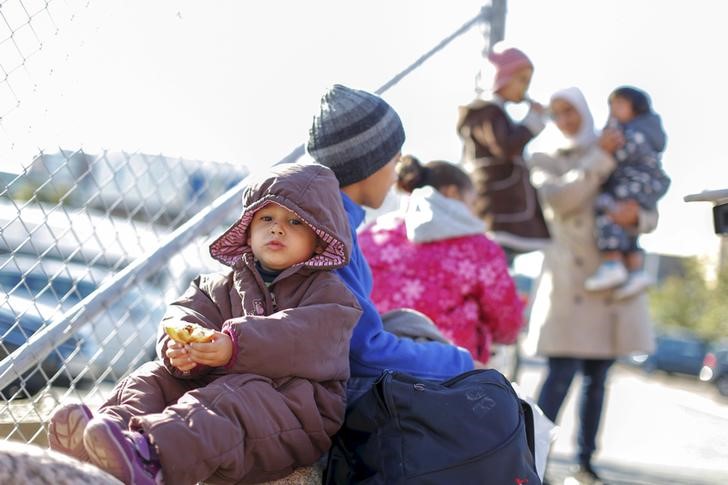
x,y
506,63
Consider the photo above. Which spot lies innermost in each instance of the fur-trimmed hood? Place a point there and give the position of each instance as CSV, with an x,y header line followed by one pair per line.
x,y
309,190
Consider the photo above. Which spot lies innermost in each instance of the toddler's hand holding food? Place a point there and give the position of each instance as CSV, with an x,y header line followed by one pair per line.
x,y
201,345
215,353
179,357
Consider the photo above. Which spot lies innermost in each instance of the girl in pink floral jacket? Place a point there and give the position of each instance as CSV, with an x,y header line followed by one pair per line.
x,y
435,258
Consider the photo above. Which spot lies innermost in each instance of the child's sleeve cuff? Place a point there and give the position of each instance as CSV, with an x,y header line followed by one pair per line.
x,y
229,330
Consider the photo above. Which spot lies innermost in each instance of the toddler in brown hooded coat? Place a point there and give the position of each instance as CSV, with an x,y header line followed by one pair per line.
x,y
268,392
493,146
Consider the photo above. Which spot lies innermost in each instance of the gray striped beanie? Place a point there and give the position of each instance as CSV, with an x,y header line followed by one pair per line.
x,y
355,134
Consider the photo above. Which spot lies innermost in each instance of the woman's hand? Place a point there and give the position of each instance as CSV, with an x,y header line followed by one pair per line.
x,y
537,107
626,213
215,353
611,140
179,357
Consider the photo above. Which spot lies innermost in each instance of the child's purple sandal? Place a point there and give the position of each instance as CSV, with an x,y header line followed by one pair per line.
x,y
127,455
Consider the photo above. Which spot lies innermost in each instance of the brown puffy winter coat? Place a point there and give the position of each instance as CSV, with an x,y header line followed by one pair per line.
x,y
276,404
492,152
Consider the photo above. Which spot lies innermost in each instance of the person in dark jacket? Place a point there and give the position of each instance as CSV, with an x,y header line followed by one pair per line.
x,y
266,395
638,177
493,147
360,136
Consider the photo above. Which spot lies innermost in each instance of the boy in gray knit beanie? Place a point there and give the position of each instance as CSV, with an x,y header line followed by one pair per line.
x,y
355,134
359,136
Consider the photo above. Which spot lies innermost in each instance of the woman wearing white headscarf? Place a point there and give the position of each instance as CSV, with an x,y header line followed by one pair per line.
x,y
578,330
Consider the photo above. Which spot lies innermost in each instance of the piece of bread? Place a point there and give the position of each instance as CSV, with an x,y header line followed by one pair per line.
x,y
186,333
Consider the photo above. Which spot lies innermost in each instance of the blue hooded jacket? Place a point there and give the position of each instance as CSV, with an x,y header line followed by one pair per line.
x,y
650,125
372,349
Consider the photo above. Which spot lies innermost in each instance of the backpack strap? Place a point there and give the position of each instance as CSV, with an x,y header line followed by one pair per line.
x,y
340,462
528,414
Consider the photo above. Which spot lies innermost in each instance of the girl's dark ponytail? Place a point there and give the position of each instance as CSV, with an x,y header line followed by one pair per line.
x,y
411,174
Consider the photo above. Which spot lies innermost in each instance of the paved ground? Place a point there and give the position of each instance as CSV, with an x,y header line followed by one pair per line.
x,y
561,469
657,430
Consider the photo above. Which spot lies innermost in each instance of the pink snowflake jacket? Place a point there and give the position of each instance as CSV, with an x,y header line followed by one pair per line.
x,y
436,259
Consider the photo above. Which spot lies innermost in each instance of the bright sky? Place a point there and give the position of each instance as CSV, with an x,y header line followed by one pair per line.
x,y
238,81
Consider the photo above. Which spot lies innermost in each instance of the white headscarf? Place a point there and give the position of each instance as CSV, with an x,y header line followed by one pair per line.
x,y
587,134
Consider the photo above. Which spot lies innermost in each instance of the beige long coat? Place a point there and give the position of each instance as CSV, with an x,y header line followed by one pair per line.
x,y
566,320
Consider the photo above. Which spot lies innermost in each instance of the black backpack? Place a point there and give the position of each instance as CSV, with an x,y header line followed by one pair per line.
x,y
471,429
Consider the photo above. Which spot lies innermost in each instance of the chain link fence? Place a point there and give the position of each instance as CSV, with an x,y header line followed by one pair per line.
x,y
70,221
68,224
93,245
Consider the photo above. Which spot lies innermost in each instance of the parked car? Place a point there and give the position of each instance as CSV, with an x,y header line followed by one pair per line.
x,y
715,366
85,237
112,343
676,354
19,319
56,256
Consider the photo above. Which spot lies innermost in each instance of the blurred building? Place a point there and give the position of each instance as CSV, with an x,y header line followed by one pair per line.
x,y
151,188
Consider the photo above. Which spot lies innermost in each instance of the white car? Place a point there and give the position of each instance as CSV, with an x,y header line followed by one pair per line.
x,y
114,342
19,319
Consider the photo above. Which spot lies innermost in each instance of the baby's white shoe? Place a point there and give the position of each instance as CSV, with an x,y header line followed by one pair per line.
x,y
637,282
610,274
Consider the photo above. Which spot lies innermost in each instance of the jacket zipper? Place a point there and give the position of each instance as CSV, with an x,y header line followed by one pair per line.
x,y
273,301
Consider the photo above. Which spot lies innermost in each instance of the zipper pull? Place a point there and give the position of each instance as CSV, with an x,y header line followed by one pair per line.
x,y
273,300
385,373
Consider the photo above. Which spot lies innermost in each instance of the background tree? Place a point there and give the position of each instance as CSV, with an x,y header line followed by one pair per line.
x,y
690,302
